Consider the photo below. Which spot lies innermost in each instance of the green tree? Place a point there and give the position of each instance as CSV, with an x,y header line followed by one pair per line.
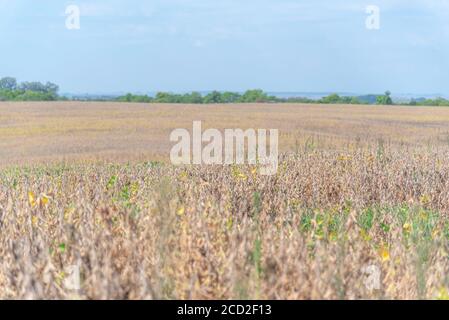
x,y
51,88
163,97
333,98
32,86
213,97
8,83
385,99
254,96
128,97
230,97
355,100
196,97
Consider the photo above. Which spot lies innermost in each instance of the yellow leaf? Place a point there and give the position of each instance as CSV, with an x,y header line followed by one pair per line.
x,y
237,174
242,176
424,199
343,158
34,220
44,200
365,236
183,176
407,227
68,212
181,211
31,199
423,215
60,277
384,254
443,294
435,233
333,236
229,223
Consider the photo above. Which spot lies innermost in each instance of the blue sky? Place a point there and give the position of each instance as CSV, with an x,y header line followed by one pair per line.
x,y
185,45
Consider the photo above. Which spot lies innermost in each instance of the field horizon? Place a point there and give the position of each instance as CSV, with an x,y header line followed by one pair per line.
x,y
41,132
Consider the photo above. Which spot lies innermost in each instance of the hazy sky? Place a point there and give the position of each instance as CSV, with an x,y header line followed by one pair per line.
x,y
184,45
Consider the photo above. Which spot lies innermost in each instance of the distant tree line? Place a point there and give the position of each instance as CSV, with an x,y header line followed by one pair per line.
x,y
258,96
197,98
250,96
11,90
438,102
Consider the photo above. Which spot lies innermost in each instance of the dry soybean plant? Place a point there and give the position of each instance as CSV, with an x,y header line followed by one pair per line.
x,y
155,231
